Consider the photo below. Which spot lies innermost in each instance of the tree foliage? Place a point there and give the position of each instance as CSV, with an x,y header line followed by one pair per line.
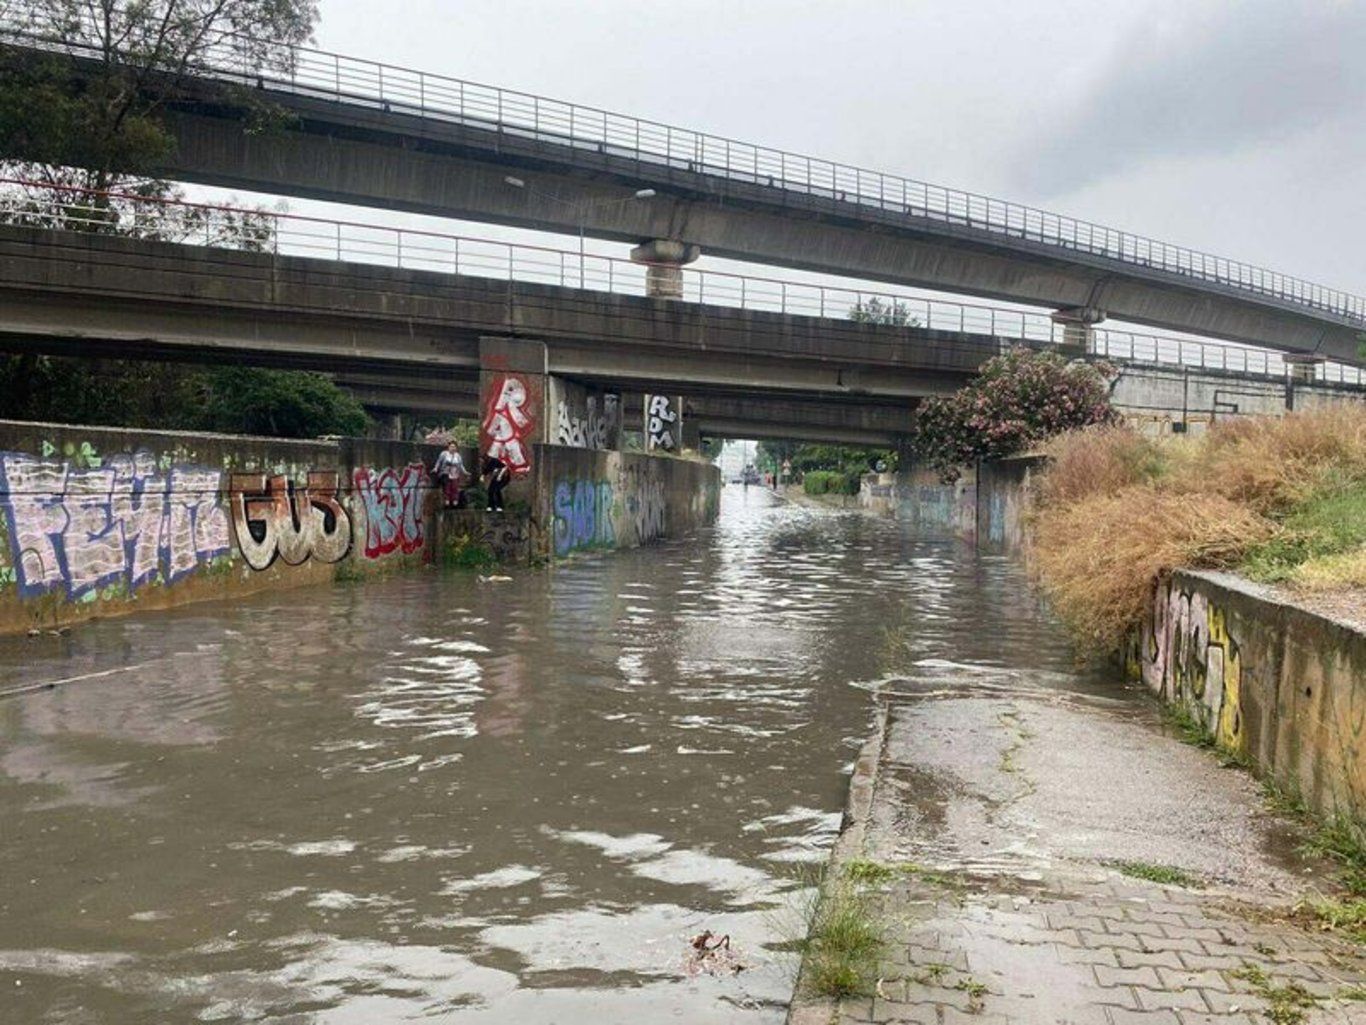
x,y
883,311
1019,399
131,393
83,93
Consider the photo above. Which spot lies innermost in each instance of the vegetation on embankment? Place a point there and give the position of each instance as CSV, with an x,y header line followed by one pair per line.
x,y
1280,500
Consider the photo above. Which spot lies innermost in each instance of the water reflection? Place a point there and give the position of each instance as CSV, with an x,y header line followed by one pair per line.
x,y
434,798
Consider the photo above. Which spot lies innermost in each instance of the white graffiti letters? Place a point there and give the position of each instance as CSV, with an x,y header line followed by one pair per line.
x,y
273,516
660,422
125,521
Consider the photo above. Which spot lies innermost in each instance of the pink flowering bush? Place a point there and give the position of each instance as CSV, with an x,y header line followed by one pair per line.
x,y
1019,399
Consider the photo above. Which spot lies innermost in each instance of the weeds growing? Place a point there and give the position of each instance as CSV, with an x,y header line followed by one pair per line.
x,y
844,942
1166,875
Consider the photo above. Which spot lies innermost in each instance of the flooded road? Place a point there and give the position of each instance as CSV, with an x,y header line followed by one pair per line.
x,y
431,799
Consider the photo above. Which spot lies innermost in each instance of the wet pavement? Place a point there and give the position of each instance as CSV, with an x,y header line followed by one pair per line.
x,y
1004,804
429,799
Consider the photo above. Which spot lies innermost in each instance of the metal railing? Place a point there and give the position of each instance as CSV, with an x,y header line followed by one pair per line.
x,y
311,72
282,234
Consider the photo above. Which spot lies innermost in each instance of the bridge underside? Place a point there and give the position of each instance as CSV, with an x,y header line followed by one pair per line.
x,y
362,154
748,373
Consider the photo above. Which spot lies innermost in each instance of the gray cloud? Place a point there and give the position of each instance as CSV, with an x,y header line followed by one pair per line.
x,y
1199,83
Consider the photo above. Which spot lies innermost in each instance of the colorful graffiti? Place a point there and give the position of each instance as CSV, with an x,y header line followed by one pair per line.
x,y
1187,655
594,429
273,516
583,516
510,424
392,500
661,423
130,521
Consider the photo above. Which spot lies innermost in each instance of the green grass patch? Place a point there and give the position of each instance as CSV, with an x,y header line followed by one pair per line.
x,y
1347,917
976,992
1327,524
1166,875
1287,1002
843,944
860,870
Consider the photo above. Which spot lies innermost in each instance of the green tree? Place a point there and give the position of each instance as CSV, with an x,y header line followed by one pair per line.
x,y
279,403
84,85
1017,400
883,311
133,393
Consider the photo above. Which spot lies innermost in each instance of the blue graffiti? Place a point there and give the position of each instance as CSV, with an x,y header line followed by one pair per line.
x,y
126,521
583,516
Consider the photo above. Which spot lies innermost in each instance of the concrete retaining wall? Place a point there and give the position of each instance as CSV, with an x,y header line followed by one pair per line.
x,y
1281,686
984,506
99,521
602,500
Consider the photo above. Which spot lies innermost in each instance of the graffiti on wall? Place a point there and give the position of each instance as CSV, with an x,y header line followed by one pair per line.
x,y
510,423
130,520
644,502
392,500
1188,655
583,516
661,423
596,428
274,516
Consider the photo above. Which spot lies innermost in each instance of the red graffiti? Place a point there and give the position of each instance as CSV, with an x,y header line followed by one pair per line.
x,y
510,423
393,509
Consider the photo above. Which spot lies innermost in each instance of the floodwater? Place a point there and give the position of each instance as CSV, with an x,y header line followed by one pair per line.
x,y
433,799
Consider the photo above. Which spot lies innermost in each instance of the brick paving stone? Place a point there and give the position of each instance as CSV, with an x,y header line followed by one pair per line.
x,y
1171,999
1121,1016
1089,955
1127,940
1196,1018
1127,977
1224,1003
1153,958
1176,979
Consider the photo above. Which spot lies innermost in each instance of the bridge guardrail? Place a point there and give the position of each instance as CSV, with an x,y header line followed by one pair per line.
x,y
309,71
254,230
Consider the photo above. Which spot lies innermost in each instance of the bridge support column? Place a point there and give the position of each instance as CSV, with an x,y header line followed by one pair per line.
x,y
690,431
512,393
665,259
663,423
1077,322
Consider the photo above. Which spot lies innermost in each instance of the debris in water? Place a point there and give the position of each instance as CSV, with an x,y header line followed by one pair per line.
x,y
492,580
712,955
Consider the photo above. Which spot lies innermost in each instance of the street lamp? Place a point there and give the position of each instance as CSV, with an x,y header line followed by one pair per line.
x,y
580,209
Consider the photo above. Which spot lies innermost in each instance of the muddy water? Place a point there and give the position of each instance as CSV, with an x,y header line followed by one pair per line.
x,y
438,800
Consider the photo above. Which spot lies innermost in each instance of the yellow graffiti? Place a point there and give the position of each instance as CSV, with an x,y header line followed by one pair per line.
x,y
1229,732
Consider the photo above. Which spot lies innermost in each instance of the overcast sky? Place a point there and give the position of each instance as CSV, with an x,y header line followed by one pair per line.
x,y
1234,127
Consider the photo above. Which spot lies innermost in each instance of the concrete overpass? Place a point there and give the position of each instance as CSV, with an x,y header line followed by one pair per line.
x,y
378,135
415,335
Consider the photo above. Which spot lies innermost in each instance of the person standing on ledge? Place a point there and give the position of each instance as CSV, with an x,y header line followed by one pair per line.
x,y
449,472
498,474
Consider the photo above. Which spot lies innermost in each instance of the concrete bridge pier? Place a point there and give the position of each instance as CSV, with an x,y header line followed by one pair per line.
x,y
662,425
665,260
512,405
1077,322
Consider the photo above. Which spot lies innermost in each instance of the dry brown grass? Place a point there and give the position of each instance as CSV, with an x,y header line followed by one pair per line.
x,y
1270,463
1097,558
1097,461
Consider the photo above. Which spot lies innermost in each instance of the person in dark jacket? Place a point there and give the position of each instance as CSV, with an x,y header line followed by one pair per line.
x,y
498,476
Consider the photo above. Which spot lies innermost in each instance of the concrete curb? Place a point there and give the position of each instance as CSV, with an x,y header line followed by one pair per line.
x,y
811,1010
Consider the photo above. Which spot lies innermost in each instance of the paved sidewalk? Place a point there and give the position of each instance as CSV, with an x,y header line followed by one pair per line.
x,y
1005,815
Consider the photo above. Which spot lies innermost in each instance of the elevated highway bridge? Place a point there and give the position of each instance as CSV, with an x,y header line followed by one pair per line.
x,y
372,134
399,316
